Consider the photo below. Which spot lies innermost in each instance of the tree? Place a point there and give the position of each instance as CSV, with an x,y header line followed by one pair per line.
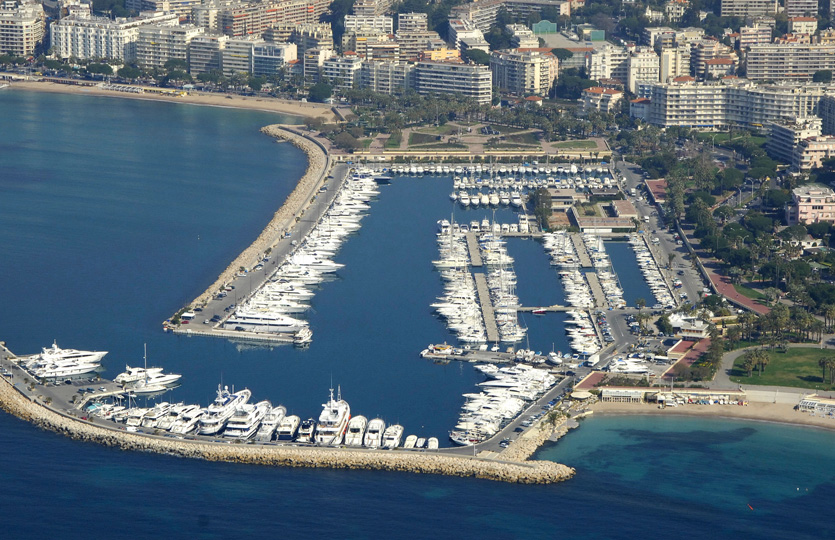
x,y
762,361
347,141
822,76
175,64
749,360
100,69
823,362
562,54
319,92
640,303
476,56
733,335
670,258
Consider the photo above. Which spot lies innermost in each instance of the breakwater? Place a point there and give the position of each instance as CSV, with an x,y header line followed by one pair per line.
x,y
504,470
318,164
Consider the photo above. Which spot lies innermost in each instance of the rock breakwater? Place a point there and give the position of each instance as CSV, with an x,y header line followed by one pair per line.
x,y
524,472
286,216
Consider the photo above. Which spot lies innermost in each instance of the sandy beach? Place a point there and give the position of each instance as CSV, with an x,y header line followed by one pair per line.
x,y
782,413
271,105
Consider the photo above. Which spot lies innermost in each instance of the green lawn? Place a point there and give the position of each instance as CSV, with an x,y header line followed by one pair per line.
x,y
576,144
441,146
722,137
507,130
523,138
511,146
366,143
393,141
421,138
749,292
796,368
445,129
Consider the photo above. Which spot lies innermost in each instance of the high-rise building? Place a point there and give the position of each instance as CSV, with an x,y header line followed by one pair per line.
x,y
473,81
237,55
156,45
205,53
180,7
387,77
343,71
748,8
785,135
412,22
608,62
789,61
369,23
674,62
524,73
22,27
801,8
313,59
270,58
642,66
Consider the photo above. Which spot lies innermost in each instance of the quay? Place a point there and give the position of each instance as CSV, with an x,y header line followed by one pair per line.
x,y
490,326
40,405
582,253
596,290
555,307
469,355
475,253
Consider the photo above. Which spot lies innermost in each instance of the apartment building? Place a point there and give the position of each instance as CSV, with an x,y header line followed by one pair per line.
x,y
372,7
183,8
785,135
22,27
747,8
674,62
156,45
601,99
703,50
205,53
524,73
314,60
236,56
643,66
387,77
728,102
809,154
412,22
789,61
803,25
414,42
343,71
755,34
469,80
271,58
521,36
811,204
238,19
312,36
463,29
801,8
483,13
374,23
608,62
674,10
658,37
82,35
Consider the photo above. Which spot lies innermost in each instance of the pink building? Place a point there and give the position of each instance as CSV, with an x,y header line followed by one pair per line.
x,y
811,204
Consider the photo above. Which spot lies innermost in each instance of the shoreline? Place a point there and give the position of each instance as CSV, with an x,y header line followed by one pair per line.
x,y
222,100
775,413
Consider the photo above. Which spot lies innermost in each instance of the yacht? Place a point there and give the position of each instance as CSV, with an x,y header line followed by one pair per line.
x,y
222,409
306,431
244,423
270,424
374,433
420,443
392,436
134,374
356,431
256,321
135,415
432,443
187,420
56,353
152,382
287,428
410,442
333,421
62,368
156,414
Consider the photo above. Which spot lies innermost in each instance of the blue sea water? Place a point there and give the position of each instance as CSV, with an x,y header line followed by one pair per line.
x,y
629,273
113,213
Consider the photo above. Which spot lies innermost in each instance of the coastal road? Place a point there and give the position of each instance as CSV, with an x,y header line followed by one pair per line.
x,y
243,286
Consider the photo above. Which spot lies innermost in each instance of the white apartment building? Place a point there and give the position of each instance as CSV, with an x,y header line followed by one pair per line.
x,y
342,71
674,62
602,99
756,34
728,102
310,36
748,8
414,42
374,23
810,154
522,37
461,29
674,10
800,8
270,58
412,22
205,53
803,25
387,77
22,27
789,61
371,7
237,55
182,8
643,66
313,60
608,62
155,45
483,12
784,136
524,73
469,80
658,37
83,36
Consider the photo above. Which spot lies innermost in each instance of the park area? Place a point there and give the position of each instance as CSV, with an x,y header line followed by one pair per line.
x,y
798,367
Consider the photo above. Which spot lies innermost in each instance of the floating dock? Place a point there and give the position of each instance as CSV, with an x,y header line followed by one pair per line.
x,y
486,308
475,253
582,253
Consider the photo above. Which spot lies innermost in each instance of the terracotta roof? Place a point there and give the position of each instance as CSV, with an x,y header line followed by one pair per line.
x,y
533,98
599,90
719,62
803,19
685,78
640,100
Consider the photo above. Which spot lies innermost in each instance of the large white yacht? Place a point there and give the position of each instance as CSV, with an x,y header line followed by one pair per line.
x,y
62,368
374,433
188,420
288,428
154,381
306,430
333,420
221,409
264,322
392,436
356,431
56,353
156,414
270,423
244,423
134,374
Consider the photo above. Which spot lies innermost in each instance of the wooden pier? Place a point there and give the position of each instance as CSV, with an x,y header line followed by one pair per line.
x,y
582,253
486,308
475,253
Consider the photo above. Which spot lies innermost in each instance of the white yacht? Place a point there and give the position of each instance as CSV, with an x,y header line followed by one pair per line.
x,y
410,442
432,443
245,422
287,428
56,353
333,421
270,423
134,374
187,421
254,321
306,430
154,383
62,368
392,436
374,433
135,415
356,431
157,413
222,409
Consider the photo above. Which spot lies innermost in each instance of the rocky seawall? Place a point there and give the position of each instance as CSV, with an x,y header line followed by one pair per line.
x,y
524,472
286,216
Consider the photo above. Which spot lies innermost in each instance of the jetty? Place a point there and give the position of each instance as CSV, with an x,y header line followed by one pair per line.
x,y
582,253
483,290
596,290
475,252
34,403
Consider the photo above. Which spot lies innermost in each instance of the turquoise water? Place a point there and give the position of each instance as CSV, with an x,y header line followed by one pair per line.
x,y
99,223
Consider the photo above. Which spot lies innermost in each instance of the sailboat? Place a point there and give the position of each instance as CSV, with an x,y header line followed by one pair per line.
x,y
154,382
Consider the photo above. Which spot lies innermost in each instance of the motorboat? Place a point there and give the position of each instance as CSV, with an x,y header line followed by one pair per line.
x,y
245,422
187,420
306,430
288,428
410,442
270,424
356,431
333,420
374,433
223,407
392,436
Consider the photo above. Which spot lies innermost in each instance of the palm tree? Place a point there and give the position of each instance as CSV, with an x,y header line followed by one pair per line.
x,y
762,361
823,362
749,361
640,303
830,363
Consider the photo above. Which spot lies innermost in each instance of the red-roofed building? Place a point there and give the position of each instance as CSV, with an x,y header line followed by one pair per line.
x,y
803,25
639,108
657,190
717,68
602,99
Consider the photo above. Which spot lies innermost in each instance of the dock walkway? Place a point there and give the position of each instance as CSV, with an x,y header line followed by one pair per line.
x,y
475,253
487,308
585,260
596,290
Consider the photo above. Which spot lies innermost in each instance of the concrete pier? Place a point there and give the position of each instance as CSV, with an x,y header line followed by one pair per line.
x,y
596,290
475,253
582,253
487,308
